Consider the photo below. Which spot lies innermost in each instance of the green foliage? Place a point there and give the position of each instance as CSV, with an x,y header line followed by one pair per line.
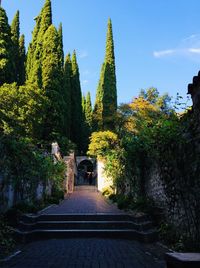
x,y
168,233
76,103
123,201
87,121
21,110
152,95
105,145
25,166
15,32
32,49
152,134
67,95
35,50
88,111
101,143
106,97
60,46
31,206
6,239
83,104
52,81
22,60
107,191
6,50
36,112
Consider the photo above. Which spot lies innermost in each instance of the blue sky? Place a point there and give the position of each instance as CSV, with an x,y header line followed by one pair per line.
x,y
157,42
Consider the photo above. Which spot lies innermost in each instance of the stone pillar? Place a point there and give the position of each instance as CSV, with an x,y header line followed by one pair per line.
x,y
55,151
71,172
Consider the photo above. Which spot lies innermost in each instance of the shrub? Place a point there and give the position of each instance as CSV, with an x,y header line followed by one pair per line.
x,y
6,240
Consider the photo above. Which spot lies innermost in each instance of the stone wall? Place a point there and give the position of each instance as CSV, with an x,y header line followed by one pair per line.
x,y
174,183
70,173
155,188
10,197
103,182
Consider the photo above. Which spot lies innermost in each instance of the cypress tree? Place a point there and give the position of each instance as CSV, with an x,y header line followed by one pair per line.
x,y
85,127
76,112
87,121
52,78
83,103
60,45
88,110
106,96
22,59
46,19
15,30
32,48
34,57
6,52
67,94
15,40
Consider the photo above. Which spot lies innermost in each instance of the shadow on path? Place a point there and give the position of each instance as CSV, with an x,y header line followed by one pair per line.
x,y
93,253
86,252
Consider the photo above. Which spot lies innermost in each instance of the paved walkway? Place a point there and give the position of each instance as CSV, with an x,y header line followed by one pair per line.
x,y
85,199
91,252
82,253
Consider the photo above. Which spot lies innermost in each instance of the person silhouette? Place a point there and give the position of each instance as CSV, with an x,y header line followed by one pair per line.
x,y
90,178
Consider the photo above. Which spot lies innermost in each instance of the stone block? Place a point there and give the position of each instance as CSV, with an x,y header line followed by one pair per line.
x,y
182,260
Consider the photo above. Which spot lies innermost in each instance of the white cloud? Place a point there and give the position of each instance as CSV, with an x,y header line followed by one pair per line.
x,y
162,53
85,82
194,50
190,38
188,47
83,54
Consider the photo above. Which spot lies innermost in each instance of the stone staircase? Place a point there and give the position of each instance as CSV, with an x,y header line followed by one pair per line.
x,y
84,226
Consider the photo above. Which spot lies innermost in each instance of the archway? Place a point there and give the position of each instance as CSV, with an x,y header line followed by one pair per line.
x,y
86,172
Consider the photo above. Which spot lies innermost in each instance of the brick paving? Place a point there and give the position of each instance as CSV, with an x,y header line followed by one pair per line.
x,y
85,199
81,253
91,252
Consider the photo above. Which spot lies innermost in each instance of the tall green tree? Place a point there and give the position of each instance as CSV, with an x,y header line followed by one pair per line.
x,y
52,78
60,45
76,98
34,55
83,103
106,96
22,60
87,121
88,110
32,48
67,95
15,33
6,51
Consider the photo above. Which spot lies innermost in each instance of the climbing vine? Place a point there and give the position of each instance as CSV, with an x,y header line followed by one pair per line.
x,y
152,135
24,166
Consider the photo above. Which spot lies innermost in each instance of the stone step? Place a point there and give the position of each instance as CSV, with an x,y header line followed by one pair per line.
x,y
34,227
145,236
84,217
85,225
